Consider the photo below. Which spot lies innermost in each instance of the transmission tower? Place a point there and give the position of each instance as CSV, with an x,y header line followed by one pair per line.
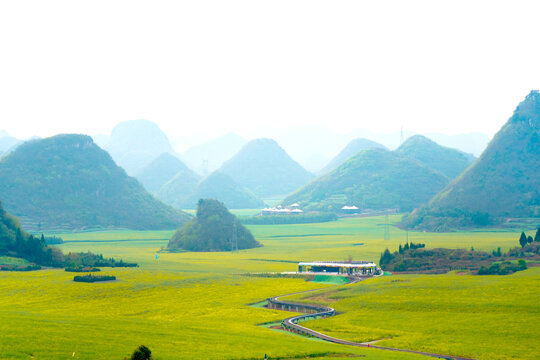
x,y
386,228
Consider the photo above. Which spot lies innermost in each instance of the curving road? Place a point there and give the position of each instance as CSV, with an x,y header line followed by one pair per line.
x,y
318,311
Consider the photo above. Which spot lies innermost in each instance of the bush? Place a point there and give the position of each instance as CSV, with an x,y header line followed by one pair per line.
x,y
142,353
93,278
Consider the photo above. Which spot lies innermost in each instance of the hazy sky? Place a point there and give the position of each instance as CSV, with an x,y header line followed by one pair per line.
x,y
198,67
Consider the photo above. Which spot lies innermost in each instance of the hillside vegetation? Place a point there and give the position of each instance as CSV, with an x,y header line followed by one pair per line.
x,y
213,229
266,169
503,183
68,182
372,179
451,162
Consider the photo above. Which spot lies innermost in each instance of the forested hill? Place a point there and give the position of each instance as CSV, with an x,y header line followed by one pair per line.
x,y
504,182
68,182
451,162
373,179
352,148
266,169
159,171
213,229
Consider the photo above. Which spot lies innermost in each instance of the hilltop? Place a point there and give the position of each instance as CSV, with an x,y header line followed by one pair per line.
x,y
213,229
503,182
352,148
372,179
68,182
451,162
208,157
134,144
162,169
266,169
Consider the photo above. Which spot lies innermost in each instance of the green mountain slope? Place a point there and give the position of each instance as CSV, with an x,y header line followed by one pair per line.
x,y
213,229
159,171
179,191
503,182
68,182
266,169
451,162
352,148
134,144
221,187
372,179
185,191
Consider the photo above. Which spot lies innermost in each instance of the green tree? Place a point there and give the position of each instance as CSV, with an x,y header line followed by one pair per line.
x,y
530,239
537,236
523,239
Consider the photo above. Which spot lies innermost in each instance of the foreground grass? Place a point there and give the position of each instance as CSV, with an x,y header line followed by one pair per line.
x,y
193,305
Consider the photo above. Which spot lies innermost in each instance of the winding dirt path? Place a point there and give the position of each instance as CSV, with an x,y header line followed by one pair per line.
x,y
317,311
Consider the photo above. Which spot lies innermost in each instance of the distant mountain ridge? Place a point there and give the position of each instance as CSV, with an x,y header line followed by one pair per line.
x,y
503,182
352,148
208,157
68,182
187,188
266,169
372,179
162,169
451,162
134,144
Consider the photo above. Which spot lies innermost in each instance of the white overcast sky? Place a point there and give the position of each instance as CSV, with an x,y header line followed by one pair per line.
x,y
197,67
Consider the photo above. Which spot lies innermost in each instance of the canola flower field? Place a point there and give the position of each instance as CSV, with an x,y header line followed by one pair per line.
x,y
195,305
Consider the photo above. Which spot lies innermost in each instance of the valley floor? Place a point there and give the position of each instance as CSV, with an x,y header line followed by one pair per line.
x,y
194,305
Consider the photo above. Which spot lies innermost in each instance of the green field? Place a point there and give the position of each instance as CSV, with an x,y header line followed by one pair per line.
x,y
195,305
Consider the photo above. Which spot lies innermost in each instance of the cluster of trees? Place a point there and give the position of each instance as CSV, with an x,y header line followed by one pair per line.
x,y
289,219
415,258
524,239
387,256
213,229
93,278
88,259
15,242
503,268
